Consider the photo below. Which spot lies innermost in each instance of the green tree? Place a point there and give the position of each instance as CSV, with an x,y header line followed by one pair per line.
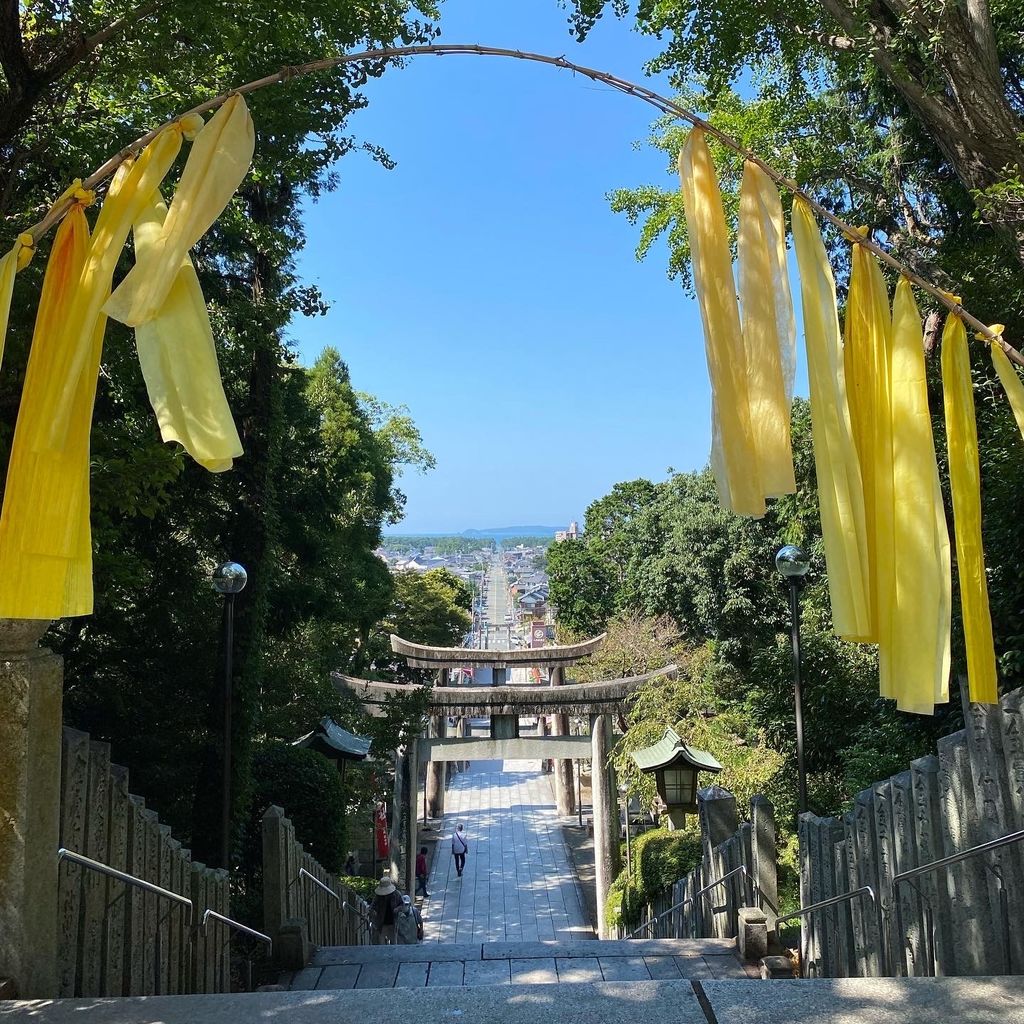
x,y
80,80
947,74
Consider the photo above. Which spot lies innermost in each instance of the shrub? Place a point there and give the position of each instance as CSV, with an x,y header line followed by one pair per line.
x,y
308,786
660,858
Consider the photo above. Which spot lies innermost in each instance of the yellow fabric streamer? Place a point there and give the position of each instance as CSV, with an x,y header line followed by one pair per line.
x,y
45,545
965,484
922,598
736,470
179,360
769,328
218,162
866,363
1011,383
137,181
10,263
840,491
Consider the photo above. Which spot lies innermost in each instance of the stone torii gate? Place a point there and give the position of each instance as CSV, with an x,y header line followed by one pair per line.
x,y
596,702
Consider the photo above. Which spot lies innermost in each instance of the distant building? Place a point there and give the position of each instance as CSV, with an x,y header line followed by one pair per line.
x,y
573,533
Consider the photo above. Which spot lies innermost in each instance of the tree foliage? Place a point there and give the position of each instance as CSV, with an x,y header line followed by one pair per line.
x,y
304,507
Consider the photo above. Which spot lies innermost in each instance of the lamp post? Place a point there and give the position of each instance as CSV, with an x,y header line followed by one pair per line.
x,y
793,563
228,579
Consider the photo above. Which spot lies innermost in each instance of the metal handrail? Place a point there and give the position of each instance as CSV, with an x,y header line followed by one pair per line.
x,y
303,873
238,926
655,920
864,890
742,869
122,876
943,862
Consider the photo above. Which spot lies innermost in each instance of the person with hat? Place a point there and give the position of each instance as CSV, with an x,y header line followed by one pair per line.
x,y
386,900
408,923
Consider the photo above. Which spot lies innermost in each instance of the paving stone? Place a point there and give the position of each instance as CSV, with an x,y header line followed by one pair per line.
x,y
418,952
667,1002
662,968
725,967
445,972
579,969
377,975
534,972
412,975
693,967
624,968
306,978
339,976
487,972
868,1000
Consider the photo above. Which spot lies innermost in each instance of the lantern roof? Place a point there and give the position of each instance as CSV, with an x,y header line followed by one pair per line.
x,y
334,742
671,751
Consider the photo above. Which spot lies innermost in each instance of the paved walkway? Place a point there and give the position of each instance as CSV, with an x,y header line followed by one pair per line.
x,y
519,885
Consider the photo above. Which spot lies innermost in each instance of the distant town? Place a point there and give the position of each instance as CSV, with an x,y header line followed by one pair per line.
x,y
517,564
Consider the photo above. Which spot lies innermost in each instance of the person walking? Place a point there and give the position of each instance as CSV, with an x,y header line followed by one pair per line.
x,y
421,873
408,924
386,900
459,848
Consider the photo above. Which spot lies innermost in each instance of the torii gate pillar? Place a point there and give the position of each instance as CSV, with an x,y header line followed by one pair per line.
x,y
436,770
565,794
606,814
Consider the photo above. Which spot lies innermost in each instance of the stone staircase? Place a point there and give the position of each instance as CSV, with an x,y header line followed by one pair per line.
x,y
433,965
667,981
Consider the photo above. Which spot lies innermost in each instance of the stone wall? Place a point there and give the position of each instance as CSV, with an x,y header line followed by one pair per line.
x,y
728,844
298,914
115,939
960,920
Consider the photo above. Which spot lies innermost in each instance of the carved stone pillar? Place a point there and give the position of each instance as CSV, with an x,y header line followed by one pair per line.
x,y
31,691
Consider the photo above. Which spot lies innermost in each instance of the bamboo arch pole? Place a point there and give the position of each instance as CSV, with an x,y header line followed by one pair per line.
x,y
622,85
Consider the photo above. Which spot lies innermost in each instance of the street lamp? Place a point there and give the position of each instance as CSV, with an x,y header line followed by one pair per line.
x,y
228,579
793,563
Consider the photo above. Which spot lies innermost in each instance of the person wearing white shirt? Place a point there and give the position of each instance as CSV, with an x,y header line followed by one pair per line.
x,y
459,848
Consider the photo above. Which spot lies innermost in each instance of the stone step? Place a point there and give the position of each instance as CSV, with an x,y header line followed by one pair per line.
x,y
522,950
841,1001
429,965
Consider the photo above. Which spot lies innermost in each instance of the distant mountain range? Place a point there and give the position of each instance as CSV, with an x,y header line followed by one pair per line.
x,y
493,533
513,531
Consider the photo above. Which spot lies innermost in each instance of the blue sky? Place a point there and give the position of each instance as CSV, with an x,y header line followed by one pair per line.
x,y
485,284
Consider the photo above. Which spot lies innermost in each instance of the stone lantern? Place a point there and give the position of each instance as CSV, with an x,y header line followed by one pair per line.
x,y
674,766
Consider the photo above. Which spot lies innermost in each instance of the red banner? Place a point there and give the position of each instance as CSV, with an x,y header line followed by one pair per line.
x,y
381,830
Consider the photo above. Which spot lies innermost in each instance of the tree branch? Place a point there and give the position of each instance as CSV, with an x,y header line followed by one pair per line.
x,y
16,67
979,25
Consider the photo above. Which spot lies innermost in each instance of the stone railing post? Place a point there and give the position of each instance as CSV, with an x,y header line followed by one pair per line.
x,y
766,856
31,684
275,877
